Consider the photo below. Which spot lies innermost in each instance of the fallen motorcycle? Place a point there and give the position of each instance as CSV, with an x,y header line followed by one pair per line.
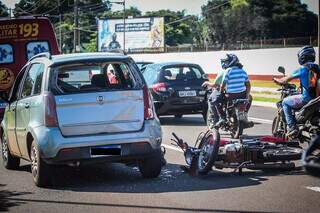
x,y
257,154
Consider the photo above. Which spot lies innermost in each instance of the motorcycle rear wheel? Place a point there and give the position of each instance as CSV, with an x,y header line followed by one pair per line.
x,y
209,146
237,128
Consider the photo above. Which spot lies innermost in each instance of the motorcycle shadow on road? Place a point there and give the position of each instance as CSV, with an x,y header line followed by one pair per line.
x,y
185,121
117,178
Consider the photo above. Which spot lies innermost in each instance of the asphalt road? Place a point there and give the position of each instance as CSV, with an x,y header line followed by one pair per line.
x,y
116,188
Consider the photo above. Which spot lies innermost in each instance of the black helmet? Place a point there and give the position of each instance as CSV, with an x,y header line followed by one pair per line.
x,y
229,60
306,54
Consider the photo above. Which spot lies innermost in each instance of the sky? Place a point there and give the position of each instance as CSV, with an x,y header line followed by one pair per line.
x,y
192,7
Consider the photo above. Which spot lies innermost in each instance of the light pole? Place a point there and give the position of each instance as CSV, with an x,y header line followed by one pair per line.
x,y
124,20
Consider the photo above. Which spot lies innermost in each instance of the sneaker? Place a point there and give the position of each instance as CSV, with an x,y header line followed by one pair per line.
x,y
292,132
220,123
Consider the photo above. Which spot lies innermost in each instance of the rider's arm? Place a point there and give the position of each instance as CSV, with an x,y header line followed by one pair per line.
x,y
248,87
217,81
284,80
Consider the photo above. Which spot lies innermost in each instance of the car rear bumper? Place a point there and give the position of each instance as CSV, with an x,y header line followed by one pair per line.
x,y
55,148
83,155
167,108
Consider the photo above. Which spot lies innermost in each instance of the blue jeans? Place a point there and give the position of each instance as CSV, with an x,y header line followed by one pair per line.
x,y
290,103
216,98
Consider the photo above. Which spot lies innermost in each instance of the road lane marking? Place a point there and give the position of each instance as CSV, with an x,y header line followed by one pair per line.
x,y
314,188
172,148
265,121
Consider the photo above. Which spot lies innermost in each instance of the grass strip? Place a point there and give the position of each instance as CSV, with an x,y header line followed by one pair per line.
x,y
264,99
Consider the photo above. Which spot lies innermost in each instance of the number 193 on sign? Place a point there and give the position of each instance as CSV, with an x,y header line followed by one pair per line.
x,y
29,30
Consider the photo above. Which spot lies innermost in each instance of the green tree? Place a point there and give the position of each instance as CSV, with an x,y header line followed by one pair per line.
x,y
132,11
3,10
241,20
88,10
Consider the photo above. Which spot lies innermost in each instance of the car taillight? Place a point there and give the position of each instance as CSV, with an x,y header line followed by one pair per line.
x,y
50,113
159,87
148,109
242,107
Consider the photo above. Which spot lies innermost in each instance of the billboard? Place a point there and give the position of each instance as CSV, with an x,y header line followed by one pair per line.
x,y
141,34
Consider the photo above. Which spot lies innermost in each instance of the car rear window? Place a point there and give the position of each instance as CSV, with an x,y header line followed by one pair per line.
x,y
76,78
181,73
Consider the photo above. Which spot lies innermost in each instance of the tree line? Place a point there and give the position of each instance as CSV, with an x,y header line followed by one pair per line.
x,y
222,22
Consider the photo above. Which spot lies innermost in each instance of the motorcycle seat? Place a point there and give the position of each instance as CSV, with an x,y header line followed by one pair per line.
x,y
307,110
237,102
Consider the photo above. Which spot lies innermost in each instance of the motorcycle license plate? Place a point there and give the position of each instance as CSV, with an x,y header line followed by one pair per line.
x,y
242,116
190,93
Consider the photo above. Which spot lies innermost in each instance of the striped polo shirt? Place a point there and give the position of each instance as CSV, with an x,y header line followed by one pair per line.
x,y
235,80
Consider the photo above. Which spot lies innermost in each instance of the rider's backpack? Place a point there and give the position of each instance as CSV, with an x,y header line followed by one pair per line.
x,y
314,78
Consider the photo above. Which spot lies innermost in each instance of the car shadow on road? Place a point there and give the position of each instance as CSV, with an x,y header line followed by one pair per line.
x,y
7,198
185,121
120,179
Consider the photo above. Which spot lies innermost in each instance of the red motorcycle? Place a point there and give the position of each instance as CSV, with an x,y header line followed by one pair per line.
x,y
260,153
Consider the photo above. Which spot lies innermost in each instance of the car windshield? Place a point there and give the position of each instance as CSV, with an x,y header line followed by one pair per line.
x,y
142,65
181,73
75,78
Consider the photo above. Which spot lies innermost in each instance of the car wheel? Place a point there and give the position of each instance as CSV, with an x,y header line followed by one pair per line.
x,y
40,170
9,161
178,116
151,167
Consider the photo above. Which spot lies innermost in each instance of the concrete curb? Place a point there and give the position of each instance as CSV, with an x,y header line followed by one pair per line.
x,y
264,104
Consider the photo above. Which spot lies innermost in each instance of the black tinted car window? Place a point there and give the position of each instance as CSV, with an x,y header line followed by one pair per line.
x,y
32,81
181,73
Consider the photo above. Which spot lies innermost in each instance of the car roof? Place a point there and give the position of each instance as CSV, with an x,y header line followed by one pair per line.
x,y
74,57
167,64
144,62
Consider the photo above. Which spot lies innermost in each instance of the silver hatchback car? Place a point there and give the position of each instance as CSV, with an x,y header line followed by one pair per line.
x,y
79,108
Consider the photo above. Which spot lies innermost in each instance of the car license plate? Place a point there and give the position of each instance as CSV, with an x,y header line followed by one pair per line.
x,y
107,150
190,93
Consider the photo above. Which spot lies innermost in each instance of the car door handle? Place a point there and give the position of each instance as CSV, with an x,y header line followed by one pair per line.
x,y
26,105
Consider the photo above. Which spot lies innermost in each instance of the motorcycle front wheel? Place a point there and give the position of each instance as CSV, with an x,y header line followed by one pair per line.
x,y
278,127
209,147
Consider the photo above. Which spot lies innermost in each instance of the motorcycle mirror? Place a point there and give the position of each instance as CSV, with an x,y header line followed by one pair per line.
x,y
281,70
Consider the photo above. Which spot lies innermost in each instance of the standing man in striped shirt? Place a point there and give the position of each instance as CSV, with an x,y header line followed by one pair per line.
x,y
235,85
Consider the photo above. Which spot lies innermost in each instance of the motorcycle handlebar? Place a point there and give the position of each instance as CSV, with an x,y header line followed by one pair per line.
x,y
175,136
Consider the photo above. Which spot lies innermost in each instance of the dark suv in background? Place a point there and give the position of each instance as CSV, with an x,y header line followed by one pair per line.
x,y
176,88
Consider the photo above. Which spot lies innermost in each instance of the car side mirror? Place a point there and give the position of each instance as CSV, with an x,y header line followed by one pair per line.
x,y
281,70
205,76
4,96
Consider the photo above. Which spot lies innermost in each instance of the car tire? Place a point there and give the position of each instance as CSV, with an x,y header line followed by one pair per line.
x,y
178,116
151,167
9,161
40,170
